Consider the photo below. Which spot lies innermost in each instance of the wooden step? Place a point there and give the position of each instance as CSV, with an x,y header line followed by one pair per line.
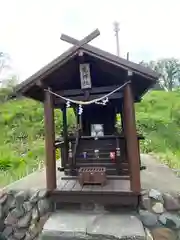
x,y
125,177
112,171
103,148
95,145
93,159
92,154
96,164
91,149
100,141
101,161
109,171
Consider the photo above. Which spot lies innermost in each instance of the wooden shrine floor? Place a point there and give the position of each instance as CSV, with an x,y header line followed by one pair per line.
x,y
116,185
115,191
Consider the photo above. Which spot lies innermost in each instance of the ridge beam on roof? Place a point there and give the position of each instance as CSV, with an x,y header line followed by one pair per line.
x,y
82,42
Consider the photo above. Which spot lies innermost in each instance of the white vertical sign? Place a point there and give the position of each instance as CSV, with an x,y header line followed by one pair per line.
x,y
85,75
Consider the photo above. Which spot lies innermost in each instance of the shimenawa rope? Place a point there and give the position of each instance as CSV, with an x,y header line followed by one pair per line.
x,y
88,102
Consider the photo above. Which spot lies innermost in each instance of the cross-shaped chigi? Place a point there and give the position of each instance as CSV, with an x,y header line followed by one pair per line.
x,y
82,42
84,68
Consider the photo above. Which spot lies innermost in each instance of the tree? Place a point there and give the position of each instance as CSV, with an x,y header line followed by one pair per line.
x,y
6,89
169,70
4,61
9,82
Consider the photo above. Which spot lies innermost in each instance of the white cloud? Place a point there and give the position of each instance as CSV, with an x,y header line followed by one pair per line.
x,y
30,30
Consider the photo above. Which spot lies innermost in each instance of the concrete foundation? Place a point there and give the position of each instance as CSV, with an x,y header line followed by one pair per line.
x,y
86,225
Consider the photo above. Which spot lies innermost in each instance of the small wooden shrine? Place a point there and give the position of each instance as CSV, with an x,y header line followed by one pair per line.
x,y
99,163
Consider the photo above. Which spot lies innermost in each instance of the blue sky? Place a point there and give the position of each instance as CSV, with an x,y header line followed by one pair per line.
x,y
30,29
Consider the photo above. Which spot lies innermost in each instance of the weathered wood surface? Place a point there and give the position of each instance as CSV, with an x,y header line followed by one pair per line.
x,y
116,185
114,192
49,142
132,144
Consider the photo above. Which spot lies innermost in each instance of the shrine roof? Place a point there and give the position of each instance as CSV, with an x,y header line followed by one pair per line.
x,y
107,69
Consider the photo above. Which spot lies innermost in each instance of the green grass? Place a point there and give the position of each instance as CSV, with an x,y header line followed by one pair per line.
x,y
22,132
158,117
21,139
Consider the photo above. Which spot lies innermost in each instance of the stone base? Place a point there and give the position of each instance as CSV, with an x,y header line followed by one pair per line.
x,y
92,225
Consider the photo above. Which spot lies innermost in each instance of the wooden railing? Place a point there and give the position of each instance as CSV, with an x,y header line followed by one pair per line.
x,y
75,143
58,144
120,136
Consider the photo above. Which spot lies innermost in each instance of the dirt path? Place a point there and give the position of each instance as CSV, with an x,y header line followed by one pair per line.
x,y
156,176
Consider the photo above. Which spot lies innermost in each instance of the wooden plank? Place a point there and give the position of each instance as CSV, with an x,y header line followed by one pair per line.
x,y
69,186
58,144
84,41
104,156
61,184
121,185
96,188
77,187
98,162
109,187
101,160
106,137
94,90
87,188
119,177
69,39
108,177
104,198
59,101
49,142
69,178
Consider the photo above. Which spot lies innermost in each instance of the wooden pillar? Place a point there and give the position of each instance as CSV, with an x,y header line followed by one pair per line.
x,y
65,137
131,137
49,142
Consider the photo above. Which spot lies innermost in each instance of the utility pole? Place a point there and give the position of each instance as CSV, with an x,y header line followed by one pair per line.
x,y
128,56
116,29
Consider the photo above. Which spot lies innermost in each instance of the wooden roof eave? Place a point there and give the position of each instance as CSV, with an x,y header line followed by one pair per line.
x,y
45,71
96,52
126,65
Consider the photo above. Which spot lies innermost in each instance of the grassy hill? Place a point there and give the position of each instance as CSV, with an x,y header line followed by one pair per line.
x,y
22,132
158,117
